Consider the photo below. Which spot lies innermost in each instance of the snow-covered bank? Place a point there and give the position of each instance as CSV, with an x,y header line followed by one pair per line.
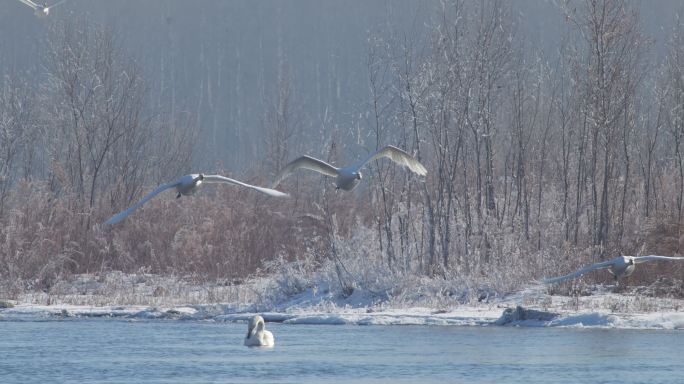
x,y
357,316
523,317
143,296
467,315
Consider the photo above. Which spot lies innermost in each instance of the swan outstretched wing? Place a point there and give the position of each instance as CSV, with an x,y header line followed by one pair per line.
x,y
122,215
399,156
579,273
223,179
306,162
643,259
30,3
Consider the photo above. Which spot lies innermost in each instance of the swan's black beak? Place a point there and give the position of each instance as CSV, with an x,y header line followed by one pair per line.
x,y
201,176
178,195
359,176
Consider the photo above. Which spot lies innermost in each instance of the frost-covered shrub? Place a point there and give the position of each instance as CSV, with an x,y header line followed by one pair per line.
x,y
355,273
289,278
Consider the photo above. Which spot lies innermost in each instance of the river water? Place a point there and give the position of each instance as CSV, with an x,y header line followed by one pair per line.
x,y
165,351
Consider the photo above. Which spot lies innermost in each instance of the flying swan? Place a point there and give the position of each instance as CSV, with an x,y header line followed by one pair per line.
x,y
257,336
187,185
618,267
41,10
348,178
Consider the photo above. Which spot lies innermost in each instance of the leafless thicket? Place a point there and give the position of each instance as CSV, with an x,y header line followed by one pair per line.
x,y
79,144
538,161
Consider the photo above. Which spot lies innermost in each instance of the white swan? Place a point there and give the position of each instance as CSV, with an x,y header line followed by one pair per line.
x,y
618,267
41,10
257,336
187,185
349,177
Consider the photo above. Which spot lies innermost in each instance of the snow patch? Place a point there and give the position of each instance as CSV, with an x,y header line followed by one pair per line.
x,y
319,319
586,320
461,316
531,307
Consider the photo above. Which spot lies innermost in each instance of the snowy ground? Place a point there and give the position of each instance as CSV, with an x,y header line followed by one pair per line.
x,y
152,298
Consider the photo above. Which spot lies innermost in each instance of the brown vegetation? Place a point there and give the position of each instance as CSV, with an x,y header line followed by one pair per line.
x,y
536,165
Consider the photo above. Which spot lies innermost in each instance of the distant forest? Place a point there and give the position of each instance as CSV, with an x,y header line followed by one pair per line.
x,y
539,158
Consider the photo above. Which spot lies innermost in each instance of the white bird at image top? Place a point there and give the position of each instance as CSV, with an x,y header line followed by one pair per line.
x,y
348,178
187,185
618,267
257,335
41,10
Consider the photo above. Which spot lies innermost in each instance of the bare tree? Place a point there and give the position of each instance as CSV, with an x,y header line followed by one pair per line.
x,y
98,104
613,49
18,134
672,102
282,120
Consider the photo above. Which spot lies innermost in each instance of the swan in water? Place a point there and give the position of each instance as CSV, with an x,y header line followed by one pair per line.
x,y
187,185
618,267
41,10
257,336
348,178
